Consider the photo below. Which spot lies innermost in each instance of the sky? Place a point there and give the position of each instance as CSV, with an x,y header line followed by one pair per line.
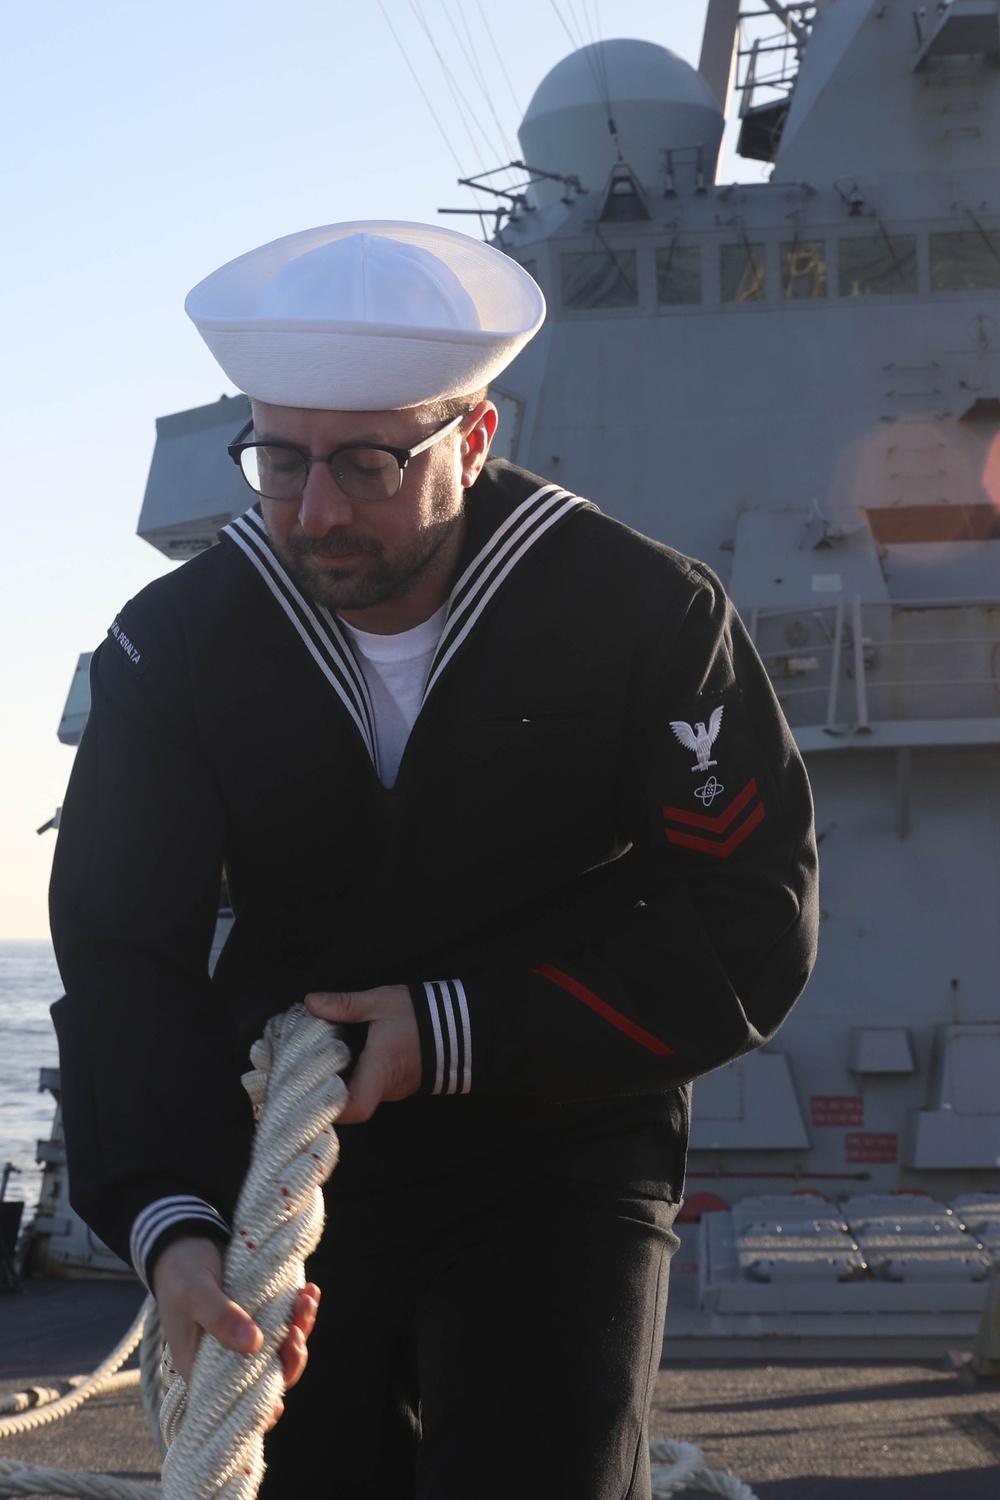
x,y
145,146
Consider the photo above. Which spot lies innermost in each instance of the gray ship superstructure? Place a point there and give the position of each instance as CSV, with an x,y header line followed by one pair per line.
x,y
798,381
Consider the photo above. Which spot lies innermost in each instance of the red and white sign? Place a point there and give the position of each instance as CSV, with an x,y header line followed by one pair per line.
x,y
871,1145
837,1109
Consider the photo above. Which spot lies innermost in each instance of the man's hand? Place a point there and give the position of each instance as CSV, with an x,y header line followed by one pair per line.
x,y
389,1065
187,1285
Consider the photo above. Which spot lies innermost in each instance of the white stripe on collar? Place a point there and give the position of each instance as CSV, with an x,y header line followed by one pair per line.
x,y
315,624
325,641
472,593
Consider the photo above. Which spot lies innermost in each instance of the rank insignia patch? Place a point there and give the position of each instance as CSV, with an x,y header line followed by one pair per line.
x,y
707,794
699,739
719,834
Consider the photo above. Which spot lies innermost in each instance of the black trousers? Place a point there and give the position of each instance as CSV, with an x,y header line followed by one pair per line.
x,y
480,1342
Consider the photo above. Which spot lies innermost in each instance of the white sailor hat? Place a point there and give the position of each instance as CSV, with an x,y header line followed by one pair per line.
x,y
372,316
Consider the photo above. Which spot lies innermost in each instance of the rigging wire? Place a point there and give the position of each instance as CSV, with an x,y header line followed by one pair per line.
x,y
423,93
496,50
583,27
466,114
471,50
458,98
597,65
562,21
600,58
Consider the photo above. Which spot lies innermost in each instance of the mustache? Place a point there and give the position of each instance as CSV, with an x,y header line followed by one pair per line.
x,y
340,544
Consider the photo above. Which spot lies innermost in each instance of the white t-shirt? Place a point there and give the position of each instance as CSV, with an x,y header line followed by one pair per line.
x,y
395,667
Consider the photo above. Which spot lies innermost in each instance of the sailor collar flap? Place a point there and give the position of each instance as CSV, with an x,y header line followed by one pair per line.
x,y
510,513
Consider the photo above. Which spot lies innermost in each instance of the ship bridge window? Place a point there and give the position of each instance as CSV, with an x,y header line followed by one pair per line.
x,y
678,275
742,272
965,261
599,278
803,270
880,265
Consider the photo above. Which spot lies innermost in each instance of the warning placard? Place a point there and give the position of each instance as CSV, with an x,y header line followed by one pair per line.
x,y
871,1145
837,1109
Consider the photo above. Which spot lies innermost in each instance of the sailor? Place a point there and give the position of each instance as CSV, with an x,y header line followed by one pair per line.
x,y
499,785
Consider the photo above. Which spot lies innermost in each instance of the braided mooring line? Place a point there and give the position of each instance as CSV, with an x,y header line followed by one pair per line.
x,y
45,1409
688,1472
216,1437
215,1433
38,1395
29,1479
151,1373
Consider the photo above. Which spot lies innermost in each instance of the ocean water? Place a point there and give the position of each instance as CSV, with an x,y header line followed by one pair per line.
x,y
29,983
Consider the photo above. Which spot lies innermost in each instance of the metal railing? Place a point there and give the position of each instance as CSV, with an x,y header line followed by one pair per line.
x,y
844,666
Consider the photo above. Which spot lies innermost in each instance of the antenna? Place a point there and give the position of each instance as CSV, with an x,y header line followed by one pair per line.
x,y
512,201
718,48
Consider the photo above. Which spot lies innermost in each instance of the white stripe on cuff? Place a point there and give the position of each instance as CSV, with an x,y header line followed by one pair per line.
x,y
452,1031
159,1216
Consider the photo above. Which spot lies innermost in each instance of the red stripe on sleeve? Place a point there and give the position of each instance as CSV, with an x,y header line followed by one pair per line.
x,y
721,821
604,1010
725,849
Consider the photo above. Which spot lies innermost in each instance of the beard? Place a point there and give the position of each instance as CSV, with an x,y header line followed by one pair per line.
x,y
382,575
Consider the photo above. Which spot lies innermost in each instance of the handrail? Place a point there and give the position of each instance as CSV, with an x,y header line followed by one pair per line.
x,y
809,606
859,663
862,656
942,682
837,648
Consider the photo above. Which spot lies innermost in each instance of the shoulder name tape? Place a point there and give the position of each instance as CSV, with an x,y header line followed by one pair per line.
x,y
137,659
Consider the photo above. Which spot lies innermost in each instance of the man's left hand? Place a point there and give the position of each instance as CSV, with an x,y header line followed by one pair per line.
x,y
389,1065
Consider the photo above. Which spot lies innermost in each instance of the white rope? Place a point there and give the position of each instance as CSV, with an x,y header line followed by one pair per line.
x,y
28,1479
37,1396
100,1380
688,1472
216,1438
151,1373
215,1431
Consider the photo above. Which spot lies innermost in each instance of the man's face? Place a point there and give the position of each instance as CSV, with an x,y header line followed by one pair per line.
x,y
386,564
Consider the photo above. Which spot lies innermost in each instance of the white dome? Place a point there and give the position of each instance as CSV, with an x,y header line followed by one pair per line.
x,y
656,99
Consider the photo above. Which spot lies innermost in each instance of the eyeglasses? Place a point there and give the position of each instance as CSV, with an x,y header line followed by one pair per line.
x,y
279,471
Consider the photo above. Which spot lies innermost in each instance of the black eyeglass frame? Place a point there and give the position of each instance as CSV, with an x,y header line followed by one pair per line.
x,y
238,447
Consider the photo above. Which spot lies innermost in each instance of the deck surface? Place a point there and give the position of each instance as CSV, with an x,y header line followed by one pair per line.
x,y
806,1429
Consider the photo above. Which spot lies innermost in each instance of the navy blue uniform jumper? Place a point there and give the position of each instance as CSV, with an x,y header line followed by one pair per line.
x,y
592,899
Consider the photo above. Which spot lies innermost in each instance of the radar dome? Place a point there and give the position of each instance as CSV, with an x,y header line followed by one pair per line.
x,y
656,100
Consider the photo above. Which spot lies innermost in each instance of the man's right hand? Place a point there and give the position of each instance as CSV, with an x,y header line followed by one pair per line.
x,y
187,1285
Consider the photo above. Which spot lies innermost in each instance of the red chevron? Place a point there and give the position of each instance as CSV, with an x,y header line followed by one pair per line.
x,y
720,821
725,849
604,1010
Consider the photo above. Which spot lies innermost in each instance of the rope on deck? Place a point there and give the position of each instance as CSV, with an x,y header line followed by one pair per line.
x,y
688,1472
215,1431
42,1405
28,1479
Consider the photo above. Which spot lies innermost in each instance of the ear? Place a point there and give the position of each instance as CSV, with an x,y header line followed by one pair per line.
x,y
479,427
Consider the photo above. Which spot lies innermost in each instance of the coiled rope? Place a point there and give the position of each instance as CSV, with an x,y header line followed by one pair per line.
x,y
214,1431
42,1404
46,1404
688,1472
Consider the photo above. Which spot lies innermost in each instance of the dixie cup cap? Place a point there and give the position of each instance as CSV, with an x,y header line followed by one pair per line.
x,y
369,316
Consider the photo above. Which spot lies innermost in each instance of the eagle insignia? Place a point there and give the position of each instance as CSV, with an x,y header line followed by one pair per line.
x,y
699,739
